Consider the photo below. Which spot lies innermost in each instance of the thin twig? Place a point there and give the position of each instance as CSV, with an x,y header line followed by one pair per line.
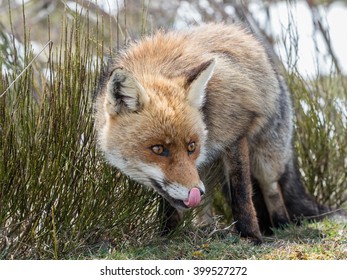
x,y
318,25
49,43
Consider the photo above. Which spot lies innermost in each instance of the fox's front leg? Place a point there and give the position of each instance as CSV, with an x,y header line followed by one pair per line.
x,y
238,189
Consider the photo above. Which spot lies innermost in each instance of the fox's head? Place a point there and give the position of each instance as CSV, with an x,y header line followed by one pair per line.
x,y
151,128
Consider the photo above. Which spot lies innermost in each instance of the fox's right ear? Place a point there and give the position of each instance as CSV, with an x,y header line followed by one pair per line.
x,y
124,93
197,80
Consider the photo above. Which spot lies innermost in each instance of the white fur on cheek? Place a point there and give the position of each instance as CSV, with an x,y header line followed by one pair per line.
x,y
140,172
116,159
151,171
177,191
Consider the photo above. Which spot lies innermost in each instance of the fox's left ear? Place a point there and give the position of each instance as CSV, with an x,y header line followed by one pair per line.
x,y
124,94
197,80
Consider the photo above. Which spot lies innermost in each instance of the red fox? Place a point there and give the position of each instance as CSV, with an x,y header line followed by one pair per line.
x,y
173,103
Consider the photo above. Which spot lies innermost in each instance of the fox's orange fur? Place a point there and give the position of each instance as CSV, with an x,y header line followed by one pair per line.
x,y
177,101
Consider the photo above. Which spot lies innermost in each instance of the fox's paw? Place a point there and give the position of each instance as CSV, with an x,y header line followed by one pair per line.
x,y
256,240
251,232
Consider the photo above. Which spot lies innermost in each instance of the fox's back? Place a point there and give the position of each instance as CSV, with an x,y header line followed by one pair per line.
x,y
171,53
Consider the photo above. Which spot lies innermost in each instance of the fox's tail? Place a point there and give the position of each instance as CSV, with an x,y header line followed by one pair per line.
x,y
299,203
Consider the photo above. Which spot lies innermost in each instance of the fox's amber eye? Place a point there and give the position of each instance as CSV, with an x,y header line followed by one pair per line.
x,y
157,149
191,147
160,150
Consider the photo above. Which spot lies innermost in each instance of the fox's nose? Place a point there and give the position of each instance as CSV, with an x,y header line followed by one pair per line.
x,y
201,191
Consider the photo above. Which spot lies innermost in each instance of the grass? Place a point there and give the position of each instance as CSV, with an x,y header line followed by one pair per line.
x,y
326,240
60,200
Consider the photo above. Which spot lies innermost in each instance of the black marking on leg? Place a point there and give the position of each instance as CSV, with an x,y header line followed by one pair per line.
x,y
240,188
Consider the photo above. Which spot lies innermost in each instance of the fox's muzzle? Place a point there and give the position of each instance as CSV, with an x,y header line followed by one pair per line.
x,y
191,199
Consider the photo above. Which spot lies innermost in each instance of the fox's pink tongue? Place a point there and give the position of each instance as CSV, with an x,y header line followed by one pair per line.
x,y
194,198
